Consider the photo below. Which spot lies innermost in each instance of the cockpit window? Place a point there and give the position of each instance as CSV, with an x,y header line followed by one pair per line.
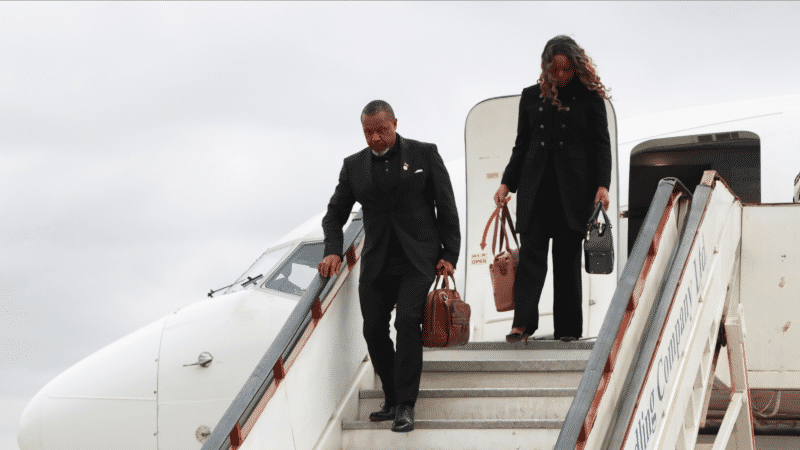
x,y
297,273
261,267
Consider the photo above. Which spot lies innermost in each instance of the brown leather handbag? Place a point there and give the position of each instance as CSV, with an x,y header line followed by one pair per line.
x,y
505,263
445,322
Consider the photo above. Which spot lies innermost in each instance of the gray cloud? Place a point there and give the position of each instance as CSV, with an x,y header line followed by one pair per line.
x,y
152,151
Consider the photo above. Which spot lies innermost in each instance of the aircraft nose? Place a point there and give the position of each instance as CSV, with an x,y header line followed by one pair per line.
x,y
30,424
107,400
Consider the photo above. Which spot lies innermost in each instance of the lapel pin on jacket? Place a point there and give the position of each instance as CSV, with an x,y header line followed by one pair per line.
x,y
405,166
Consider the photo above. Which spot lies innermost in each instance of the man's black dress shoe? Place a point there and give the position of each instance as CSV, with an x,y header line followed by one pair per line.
x,y
387,412
568,338
404,420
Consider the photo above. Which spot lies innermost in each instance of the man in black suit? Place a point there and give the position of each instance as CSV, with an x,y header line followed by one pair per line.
x,y
410,223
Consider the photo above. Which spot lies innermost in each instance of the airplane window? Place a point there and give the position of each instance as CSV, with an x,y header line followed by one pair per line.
x,y
262,266
297,273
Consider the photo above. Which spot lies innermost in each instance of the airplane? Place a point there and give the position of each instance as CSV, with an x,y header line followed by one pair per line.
x,y
167,385
797,188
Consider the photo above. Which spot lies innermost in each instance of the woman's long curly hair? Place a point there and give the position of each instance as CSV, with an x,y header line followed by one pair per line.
x,y
583,65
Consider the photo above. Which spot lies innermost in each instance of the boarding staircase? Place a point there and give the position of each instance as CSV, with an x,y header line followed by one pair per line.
x,y
646,382
482,395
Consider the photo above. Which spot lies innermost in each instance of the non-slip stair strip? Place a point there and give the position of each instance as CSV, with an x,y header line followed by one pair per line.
x,y
481,392
457,424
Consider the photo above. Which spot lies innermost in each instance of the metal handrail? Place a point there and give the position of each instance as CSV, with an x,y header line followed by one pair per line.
x,y
636,380
603,347
298,321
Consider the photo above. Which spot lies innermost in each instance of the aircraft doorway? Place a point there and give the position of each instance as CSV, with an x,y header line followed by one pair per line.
x,y
736,156
490,132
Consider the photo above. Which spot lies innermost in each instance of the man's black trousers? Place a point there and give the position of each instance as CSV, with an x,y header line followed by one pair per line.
x,y
401,284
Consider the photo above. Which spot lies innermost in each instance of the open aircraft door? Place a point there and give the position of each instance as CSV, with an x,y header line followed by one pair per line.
x,y
490,131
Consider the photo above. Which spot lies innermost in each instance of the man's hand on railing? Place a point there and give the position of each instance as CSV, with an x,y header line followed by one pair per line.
x,y
330,265
445,268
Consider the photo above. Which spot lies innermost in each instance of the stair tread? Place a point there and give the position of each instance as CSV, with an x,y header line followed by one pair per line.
x,y
495,365
533,344
509,355
498,379
481,392
458,424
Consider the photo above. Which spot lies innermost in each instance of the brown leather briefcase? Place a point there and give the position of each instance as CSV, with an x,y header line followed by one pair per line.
x,y
446,319
504,266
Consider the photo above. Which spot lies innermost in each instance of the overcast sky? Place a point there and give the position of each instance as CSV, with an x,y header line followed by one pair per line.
x,y
152,151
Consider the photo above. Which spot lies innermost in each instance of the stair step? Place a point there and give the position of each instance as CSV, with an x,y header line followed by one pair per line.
x,y
481,392
482,395
471,404
476,424
495,365
552,364
449,437
533,344
506,360
546,354
488,379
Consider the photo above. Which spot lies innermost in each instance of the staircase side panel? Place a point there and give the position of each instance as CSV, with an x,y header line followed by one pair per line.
x,y
770,294
319,378
609,405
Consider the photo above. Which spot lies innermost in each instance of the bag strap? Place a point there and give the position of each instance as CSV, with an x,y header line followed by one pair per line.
x,y
445,283
497,219
486,230
598,208
506,219
511,226
500,216
605,216
503,236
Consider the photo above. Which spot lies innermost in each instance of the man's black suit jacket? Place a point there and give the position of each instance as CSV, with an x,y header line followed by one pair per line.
x,y
579,141
420,207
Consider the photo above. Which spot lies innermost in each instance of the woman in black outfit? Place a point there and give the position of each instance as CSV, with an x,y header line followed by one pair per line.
x,y
560,167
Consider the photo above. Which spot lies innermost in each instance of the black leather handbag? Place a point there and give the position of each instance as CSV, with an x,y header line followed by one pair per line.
x,y
598,248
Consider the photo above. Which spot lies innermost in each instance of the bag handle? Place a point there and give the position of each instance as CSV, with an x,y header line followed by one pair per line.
x,y
500,216
486,230
510,222
498,227
445,283
503,235
598,208
506,218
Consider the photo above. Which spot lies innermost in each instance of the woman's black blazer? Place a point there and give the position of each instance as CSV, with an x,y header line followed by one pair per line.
x,y
578,138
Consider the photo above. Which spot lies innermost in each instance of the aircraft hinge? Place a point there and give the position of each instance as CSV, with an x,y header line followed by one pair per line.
x,y
279,371
236,437
316,311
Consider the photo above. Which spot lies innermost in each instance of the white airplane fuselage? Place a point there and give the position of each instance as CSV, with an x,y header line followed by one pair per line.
x,y
166,385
